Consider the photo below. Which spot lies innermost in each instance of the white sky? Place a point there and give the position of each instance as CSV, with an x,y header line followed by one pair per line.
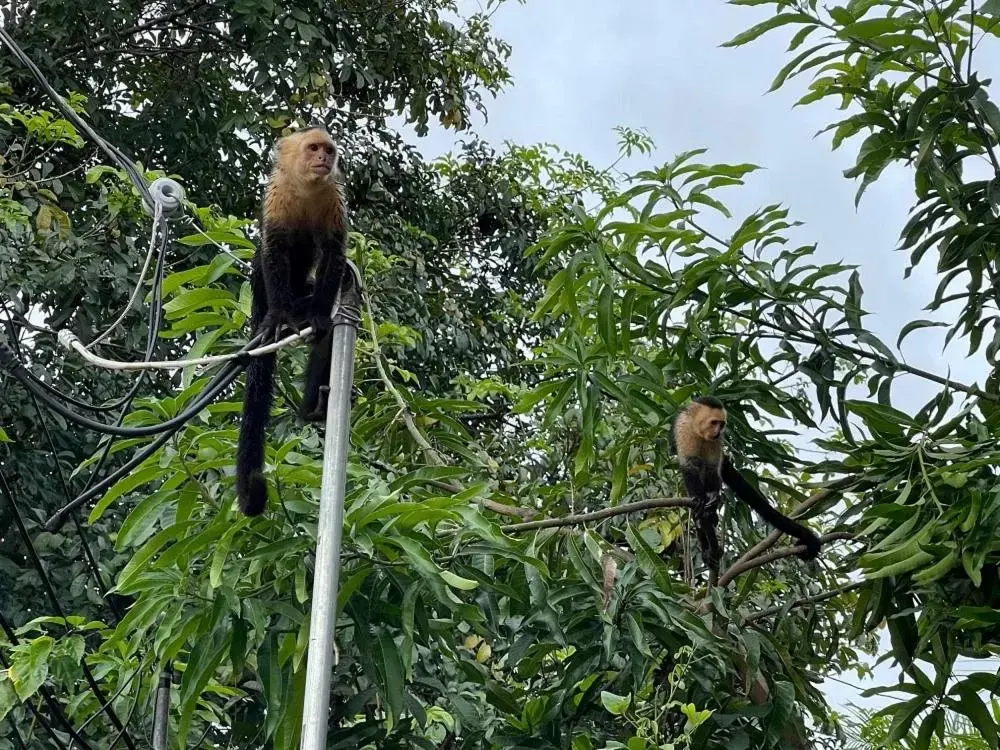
x,y
581,67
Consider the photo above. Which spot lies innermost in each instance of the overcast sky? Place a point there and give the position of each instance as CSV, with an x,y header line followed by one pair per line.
x,y
581,67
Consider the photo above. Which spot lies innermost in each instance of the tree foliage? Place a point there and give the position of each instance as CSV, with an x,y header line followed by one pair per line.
x,y
517,567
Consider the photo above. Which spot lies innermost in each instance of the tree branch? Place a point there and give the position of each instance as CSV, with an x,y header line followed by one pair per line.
x,y
70,51
805,338
599,515
805,600
738,568
834,488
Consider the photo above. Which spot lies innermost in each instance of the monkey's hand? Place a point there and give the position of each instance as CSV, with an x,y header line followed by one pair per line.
x,y
321,325
275,320
812,543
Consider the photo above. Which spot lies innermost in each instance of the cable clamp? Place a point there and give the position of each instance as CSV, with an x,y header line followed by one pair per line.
x,y
168,194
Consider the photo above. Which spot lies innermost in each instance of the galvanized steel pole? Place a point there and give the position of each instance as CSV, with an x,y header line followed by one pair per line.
x,y
323,620
161,708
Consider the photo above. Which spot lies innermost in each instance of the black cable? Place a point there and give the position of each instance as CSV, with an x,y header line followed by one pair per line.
x,y
47,696
17,734
78,403
87,550
222,380
9,359
128,719
112,151
51,593
153,328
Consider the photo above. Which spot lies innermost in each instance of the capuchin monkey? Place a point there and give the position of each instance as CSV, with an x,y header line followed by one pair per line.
x,y
697,438
295,276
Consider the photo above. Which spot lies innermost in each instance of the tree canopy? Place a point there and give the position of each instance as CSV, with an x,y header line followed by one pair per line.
x,y
518,564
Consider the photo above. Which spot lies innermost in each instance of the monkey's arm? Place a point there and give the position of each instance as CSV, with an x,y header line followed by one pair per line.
x,y
746,492
329,276
276,265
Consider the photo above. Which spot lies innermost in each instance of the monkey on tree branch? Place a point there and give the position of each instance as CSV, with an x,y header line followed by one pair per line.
x,y
698,441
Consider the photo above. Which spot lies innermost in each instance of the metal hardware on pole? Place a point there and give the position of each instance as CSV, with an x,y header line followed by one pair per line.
x,y
161,709
323,618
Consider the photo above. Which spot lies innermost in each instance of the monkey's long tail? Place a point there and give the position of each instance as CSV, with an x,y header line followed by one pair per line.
x,y
251,486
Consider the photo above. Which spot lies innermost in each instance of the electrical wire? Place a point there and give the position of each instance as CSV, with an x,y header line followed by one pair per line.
x,y
222,380
153,328
9,359
112,151
159,228
70,340
17,734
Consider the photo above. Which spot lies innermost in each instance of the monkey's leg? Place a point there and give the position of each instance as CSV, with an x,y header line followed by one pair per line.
x,y
314,397
705,496
258,294
706,518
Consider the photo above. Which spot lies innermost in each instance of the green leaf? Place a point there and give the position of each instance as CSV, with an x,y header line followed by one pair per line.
x,y
916,325
8,695
392,678
30,666
124,485
782,19
605,319
973,707
615,704
872,28
465,584
881,418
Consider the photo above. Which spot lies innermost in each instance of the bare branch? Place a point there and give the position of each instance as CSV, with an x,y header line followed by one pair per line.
x,y
834,488
742,567
805,600
599,515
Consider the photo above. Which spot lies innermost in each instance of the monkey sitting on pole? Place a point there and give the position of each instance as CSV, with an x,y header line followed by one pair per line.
x,y
296,274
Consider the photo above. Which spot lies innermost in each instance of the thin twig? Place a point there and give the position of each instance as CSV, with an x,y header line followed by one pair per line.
x,y
504,510
805,600
430,453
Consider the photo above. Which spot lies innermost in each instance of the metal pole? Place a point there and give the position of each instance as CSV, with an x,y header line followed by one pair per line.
x,y
161,710
319,663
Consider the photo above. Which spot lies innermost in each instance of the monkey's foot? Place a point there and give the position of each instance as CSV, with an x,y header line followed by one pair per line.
x,y
317,412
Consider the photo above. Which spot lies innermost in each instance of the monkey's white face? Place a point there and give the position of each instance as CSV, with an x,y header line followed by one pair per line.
x,y
711,424
318,157
308,158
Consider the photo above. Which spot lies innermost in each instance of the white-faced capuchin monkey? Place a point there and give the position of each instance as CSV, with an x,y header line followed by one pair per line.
x,y
295,276
697,438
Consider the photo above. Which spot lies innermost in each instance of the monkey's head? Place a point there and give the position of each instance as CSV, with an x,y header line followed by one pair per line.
x,y
708,417
309,156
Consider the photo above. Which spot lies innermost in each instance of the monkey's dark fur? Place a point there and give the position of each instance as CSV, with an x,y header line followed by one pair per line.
x,y
295,276
697,439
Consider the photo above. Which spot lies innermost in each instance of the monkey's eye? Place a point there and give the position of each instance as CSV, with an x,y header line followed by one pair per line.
x,y
329,150
313,146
